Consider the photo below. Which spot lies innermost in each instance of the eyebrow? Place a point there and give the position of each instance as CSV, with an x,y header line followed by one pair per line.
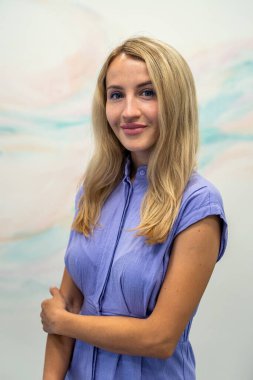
x,y
116,87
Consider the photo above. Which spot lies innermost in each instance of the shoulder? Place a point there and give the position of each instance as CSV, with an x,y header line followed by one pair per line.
x,y
200,191
200,200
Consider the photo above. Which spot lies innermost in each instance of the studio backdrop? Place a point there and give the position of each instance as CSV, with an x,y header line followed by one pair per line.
x,y
50,54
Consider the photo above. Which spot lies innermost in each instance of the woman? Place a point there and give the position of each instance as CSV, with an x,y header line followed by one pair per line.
x,y
147,232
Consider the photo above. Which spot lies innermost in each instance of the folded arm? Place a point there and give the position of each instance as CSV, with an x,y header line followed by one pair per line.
x,y
193,257
59,347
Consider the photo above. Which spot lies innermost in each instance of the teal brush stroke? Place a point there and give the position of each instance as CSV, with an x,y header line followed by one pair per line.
x,y
211,112
34,247
214,135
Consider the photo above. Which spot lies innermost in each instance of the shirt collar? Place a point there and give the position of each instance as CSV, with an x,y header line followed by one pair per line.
x,y
127,171
141,172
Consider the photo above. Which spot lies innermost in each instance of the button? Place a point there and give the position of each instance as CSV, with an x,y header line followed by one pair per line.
x,y
142,172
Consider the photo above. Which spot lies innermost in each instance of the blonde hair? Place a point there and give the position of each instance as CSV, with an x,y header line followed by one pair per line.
x,y
173,157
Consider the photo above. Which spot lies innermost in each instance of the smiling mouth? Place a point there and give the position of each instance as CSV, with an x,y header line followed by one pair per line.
x,y
132,126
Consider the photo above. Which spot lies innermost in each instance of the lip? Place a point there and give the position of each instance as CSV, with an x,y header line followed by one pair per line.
x,y
133,126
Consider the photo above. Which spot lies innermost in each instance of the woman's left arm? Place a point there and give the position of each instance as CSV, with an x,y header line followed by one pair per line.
x,y
194,254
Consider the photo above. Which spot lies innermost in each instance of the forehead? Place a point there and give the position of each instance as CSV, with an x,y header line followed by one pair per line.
x,y
126,68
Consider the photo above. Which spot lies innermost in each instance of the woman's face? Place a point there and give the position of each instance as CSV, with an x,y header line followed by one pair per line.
x,y
132,107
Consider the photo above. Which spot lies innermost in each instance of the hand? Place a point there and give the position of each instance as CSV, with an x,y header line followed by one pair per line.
x,y
51,311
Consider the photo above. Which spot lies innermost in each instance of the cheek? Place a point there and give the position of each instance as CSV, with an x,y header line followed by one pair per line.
x,y
155,112
111,115
151,112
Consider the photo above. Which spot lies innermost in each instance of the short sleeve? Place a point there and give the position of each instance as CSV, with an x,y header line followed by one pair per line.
x,y
199,203
72,232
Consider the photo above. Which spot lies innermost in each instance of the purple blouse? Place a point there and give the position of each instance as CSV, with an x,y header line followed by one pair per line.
x,y
119,274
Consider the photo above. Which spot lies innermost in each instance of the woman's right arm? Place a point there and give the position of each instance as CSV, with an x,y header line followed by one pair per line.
x,y
59,348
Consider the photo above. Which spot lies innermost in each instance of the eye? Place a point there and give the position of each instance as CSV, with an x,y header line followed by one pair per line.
x,y
149,93
115,95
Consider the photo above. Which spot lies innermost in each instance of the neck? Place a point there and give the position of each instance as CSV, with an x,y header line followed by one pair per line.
x,y
139,159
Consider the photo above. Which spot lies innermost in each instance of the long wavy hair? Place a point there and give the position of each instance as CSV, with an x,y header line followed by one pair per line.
x,y
173,157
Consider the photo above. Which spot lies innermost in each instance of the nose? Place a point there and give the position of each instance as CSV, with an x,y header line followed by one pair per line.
x,y
131,110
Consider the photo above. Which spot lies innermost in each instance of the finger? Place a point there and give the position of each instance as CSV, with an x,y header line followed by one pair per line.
x,y
54,291
45,302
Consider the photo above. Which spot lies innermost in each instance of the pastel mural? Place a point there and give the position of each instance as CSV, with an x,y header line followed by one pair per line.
x,y
225,97
50,55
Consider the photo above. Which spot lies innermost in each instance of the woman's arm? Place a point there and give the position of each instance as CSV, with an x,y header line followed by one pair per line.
x,y
59,348
192,261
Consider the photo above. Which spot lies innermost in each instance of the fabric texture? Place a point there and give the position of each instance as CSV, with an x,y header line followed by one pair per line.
x,y
120,274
